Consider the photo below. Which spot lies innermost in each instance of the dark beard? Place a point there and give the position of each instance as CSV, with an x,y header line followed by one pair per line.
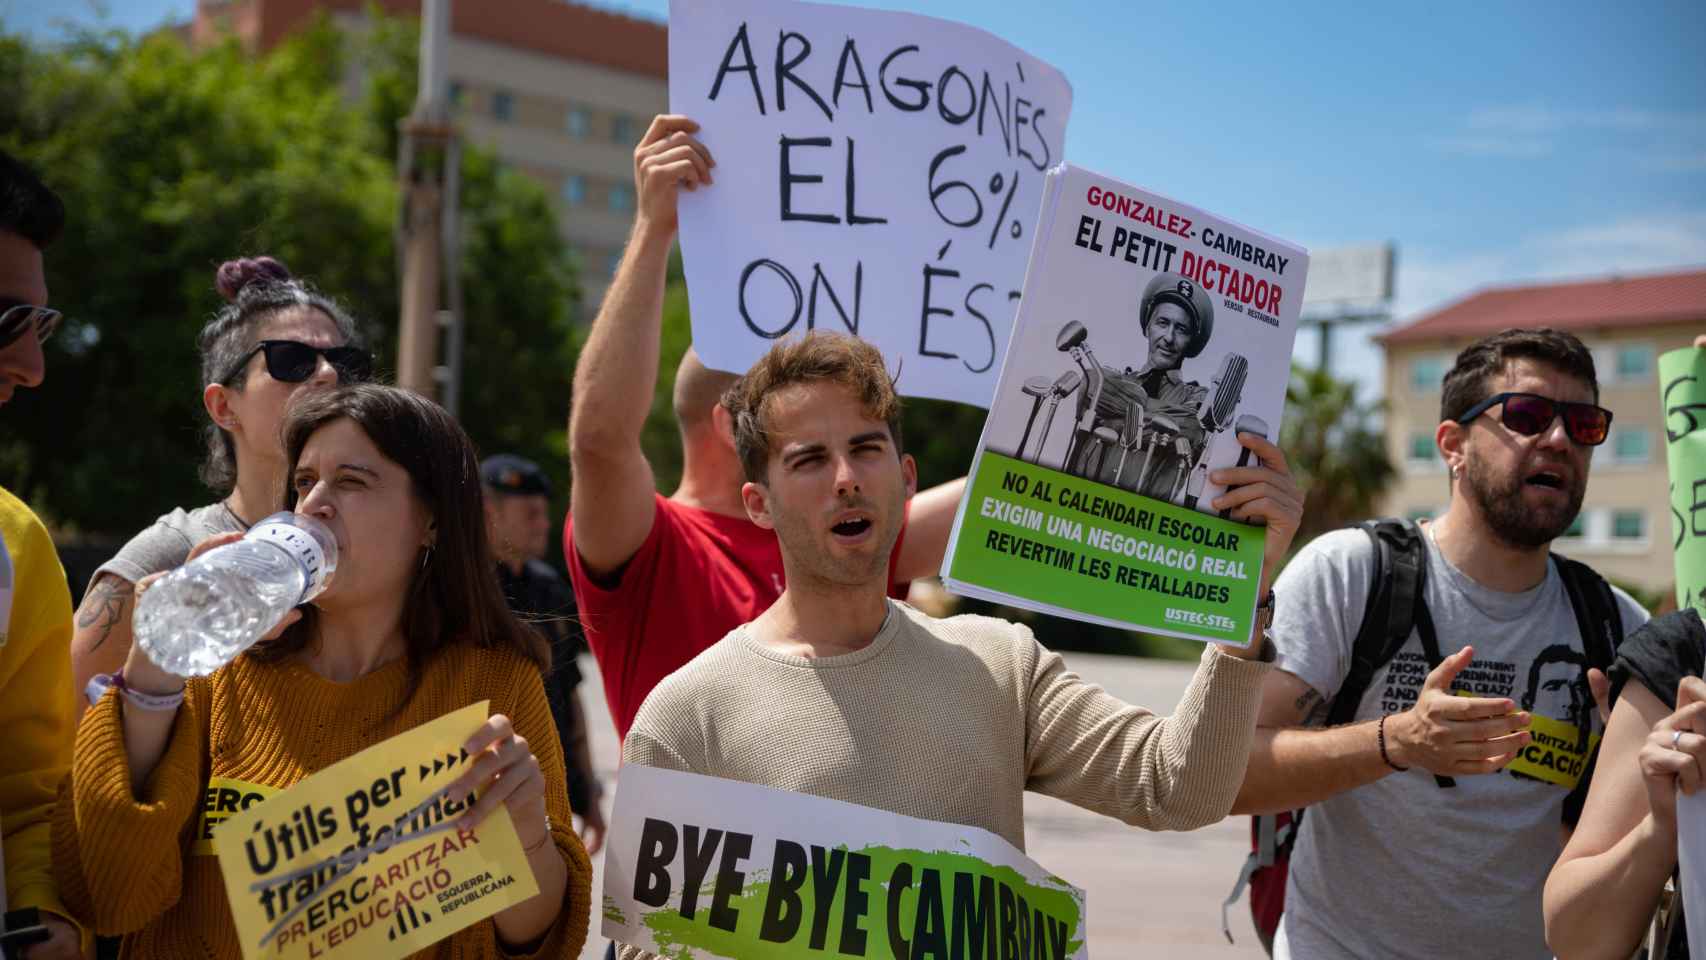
x,y
1500,500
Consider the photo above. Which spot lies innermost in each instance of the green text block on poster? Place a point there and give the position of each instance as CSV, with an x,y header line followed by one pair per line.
x,y
1052,540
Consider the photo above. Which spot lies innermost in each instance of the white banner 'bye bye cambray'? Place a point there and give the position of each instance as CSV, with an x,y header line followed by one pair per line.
x,y
876,172
705,867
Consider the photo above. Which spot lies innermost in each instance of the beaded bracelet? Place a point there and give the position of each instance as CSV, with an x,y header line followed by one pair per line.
x,y
1380,736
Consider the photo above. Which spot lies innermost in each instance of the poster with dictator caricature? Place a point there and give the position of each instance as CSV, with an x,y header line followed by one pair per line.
x,y
1151,334
699,866
877,173
364,858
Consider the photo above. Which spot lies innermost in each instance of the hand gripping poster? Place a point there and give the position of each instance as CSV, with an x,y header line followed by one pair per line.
x,y
704,867
366,858
1150,335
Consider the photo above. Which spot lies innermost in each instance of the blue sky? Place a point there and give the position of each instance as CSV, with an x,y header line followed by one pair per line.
x,y
1493,142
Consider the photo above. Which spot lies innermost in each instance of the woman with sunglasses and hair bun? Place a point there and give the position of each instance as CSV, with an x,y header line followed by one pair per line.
x,y
276,335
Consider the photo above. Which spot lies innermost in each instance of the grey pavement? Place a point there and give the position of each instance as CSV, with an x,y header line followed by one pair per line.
x,y
1149,894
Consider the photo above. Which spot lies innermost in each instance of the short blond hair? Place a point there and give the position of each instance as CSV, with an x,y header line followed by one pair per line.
x,y
818,357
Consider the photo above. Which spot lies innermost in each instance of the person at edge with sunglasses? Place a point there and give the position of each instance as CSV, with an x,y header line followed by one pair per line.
x,y
1430,829
36,703
276,335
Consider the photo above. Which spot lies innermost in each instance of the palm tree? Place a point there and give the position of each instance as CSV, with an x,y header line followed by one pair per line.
x,y
1336,451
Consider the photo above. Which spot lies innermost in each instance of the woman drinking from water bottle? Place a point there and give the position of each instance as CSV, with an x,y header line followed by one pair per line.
x,y
411,626
275,336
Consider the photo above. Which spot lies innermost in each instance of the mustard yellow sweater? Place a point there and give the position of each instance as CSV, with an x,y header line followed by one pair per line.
x,y
132,865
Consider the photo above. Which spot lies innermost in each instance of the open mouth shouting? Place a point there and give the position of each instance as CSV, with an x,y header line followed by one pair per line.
x,y
1553,480
852,527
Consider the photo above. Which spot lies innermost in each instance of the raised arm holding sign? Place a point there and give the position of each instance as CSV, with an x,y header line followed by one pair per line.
x,y
627,546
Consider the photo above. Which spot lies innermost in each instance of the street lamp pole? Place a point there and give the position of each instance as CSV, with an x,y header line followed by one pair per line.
x,y
428,168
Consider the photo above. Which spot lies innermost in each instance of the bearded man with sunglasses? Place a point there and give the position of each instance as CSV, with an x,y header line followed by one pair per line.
x,y
36,701
1431,823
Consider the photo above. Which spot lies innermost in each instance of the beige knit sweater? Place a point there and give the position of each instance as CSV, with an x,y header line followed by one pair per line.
x,y
952,720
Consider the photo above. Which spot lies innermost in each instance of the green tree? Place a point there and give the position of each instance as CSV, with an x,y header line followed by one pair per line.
x,y
1336,452
171,160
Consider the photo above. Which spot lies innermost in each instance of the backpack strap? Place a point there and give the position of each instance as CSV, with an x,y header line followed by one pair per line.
x,y
1430,650
1388,616
1396,605
1271,843
1597,615
1599,619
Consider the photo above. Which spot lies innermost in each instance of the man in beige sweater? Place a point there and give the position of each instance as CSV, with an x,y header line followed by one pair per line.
x,y
840,692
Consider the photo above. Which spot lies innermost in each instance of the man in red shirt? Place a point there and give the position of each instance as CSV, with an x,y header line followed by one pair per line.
x,y
659,579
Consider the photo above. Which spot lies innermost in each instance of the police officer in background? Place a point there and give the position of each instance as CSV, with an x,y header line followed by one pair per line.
x,y
518,522
1177,319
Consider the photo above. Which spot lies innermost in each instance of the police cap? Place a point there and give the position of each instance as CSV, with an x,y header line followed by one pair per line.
x,y
510,474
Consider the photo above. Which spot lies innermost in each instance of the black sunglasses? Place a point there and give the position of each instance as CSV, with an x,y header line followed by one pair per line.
x,y
1530,414
292,361
18,317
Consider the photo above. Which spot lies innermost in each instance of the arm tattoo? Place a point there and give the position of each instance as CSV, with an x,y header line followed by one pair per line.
x,y
1309,705
103,608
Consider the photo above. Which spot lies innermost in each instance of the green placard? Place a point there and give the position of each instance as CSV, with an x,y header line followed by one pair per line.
x,y
1682,394
1051,541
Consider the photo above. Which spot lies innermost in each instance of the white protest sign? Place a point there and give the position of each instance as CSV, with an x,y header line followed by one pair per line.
x,y
704,867
877,172
1691,854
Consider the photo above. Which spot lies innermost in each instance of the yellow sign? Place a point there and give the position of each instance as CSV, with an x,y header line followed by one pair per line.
x,y
1556,752
224,798
364,859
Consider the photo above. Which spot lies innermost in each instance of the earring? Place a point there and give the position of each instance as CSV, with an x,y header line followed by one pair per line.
x,y
426,557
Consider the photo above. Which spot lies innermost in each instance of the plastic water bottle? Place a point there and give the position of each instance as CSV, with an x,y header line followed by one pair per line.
x,y
200,616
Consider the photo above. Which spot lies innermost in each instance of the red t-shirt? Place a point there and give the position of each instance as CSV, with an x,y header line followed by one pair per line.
x,y
697,576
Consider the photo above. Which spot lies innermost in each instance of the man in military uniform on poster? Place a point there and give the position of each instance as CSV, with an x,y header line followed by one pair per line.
x,y
518,521
1177,319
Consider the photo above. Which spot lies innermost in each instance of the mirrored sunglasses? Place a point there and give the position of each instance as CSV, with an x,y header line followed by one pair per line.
x,y
1530,414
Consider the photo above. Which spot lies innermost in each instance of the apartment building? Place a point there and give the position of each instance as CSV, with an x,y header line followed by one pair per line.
x,y
1624,528
560,91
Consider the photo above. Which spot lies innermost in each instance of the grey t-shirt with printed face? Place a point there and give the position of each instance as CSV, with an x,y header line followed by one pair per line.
x,y
1403,867
167,542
